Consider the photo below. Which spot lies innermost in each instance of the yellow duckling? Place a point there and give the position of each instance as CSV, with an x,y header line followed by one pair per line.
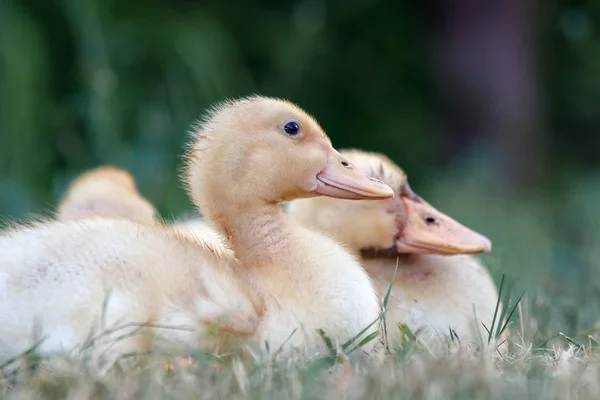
x,y
64,279
433,291
111,192
105,192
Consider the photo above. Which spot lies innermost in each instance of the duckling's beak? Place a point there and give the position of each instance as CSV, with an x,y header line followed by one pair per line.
x,y
342,180
430,231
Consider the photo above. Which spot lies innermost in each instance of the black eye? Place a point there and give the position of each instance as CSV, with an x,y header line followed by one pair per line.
x,y
291,128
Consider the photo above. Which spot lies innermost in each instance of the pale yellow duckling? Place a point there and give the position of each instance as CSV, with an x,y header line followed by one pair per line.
x,y
111,192
433,291
61,279
105,192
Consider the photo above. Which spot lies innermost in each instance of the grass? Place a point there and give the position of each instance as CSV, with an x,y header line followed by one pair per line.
x,y
410,371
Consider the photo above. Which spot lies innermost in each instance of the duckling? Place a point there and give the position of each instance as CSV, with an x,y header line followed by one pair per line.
x,y
437,286
111,192
105,191
280,283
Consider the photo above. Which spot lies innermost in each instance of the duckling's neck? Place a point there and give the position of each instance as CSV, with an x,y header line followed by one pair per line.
x,y
259,234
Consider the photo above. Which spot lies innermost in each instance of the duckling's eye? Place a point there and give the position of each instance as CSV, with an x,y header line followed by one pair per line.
x,y
291,128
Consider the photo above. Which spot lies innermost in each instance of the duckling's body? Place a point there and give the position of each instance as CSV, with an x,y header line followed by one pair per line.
x,y
431,293
146,273
67,271
295,299
274,277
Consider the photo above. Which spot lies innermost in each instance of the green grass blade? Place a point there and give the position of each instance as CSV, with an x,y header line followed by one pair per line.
x,y
497,307
327,341
507,321
386,299
352,340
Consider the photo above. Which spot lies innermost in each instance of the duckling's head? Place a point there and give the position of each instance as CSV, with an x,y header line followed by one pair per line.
x,y
260,150
403,224
107,192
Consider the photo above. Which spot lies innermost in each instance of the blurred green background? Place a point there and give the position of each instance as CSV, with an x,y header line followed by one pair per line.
x,y
493,109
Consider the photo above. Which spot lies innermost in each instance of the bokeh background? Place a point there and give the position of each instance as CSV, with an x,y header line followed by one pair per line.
x,y
491,107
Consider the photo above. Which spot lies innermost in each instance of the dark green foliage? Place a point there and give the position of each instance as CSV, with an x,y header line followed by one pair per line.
x,y
97,82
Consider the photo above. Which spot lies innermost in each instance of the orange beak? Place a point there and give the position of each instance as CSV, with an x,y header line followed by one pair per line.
x,y
430,231
342,180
